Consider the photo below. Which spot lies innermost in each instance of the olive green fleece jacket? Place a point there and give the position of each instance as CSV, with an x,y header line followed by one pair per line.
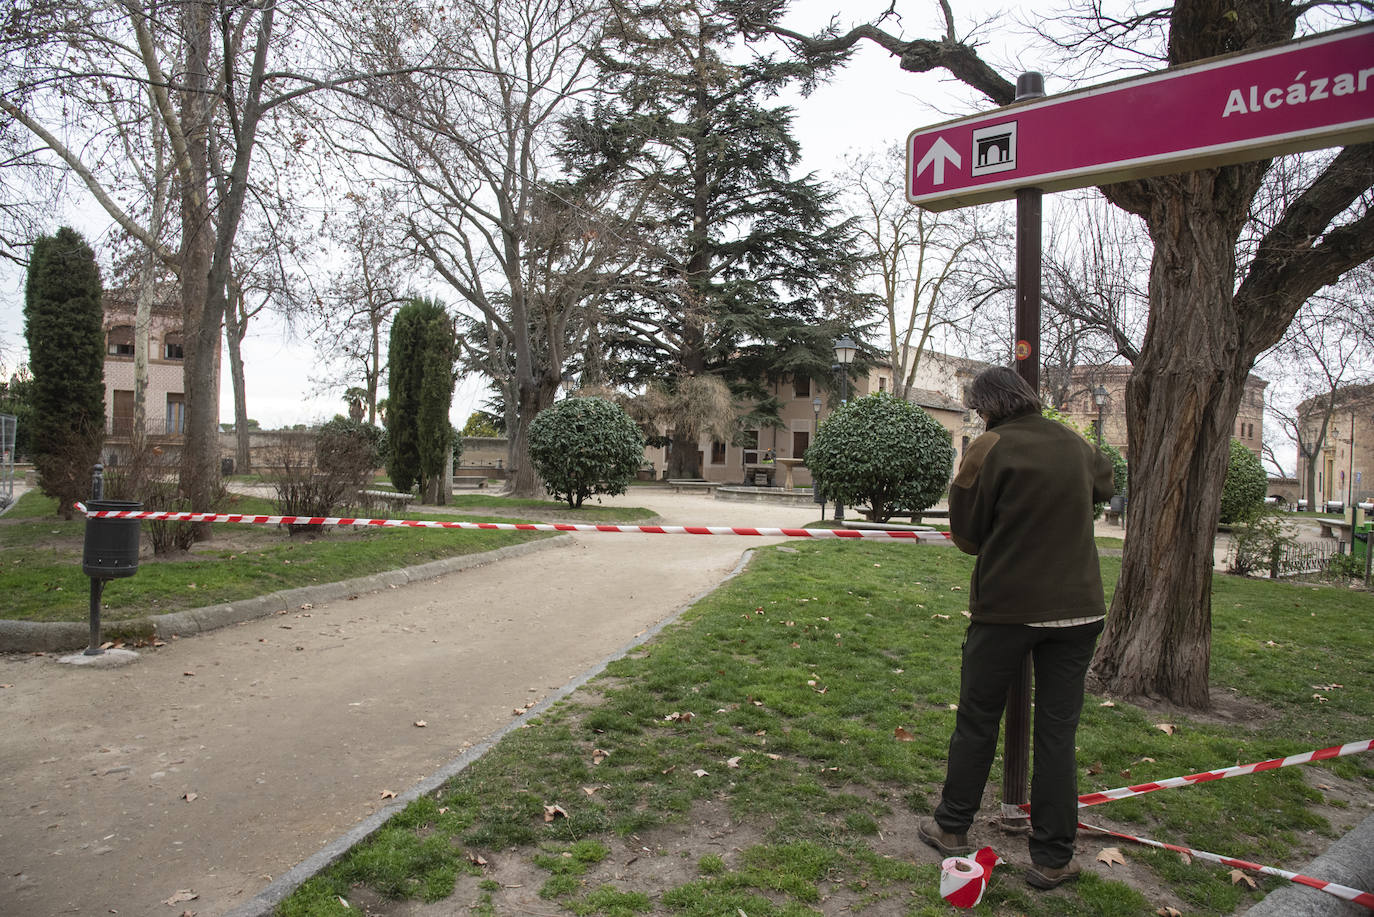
x,y
1023,503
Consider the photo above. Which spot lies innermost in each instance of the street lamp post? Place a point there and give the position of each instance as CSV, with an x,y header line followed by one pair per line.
x,y
845,349
1350,474
815,429
1100,399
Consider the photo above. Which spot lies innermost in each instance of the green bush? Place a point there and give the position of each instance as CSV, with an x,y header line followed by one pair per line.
x,y
585,446
1246,484
882,452
349,449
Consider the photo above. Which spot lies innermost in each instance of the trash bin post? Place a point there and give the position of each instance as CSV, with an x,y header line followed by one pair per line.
x,y
110,550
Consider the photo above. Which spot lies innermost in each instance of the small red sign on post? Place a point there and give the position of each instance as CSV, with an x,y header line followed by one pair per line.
x,y
1304,95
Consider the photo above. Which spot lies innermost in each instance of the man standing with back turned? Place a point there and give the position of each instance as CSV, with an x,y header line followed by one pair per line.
x,y
1023,503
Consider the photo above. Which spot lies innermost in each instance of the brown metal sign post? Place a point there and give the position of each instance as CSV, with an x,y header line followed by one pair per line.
x,y
1016,738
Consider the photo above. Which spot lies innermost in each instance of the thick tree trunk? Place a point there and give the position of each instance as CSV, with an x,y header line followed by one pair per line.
x,y
1181,404
523,480
682,463
199,472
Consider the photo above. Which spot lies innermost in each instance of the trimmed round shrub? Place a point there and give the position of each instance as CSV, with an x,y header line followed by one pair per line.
x,y
1242,496
585,446
883,453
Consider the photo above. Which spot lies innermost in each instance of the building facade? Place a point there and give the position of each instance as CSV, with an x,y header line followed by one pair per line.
x,y
1081,407
938,387
164,423
1344,460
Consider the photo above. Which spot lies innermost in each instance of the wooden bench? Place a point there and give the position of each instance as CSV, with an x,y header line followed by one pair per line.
x,y
690,486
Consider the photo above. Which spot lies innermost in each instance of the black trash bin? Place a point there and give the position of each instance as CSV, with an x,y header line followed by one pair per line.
x,y
111,547
226,466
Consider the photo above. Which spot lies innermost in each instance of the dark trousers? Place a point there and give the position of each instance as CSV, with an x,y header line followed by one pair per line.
x,y
992,660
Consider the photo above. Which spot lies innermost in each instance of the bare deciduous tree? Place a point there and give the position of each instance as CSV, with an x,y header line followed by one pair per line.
x,y
473,159
922,263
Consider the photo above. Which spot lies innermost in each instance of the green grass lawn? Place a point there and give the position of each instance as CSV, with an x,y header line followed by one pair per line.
x,y
774,706
40,557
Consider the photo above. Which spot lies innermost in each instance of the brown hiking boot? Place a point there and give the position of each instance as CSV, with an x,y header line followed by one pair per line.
x,y
951,845
1052,876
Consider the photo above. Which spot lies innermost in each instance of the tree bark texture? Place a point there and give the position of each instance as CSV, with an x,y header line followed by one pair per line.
x,y
1181,404
200,365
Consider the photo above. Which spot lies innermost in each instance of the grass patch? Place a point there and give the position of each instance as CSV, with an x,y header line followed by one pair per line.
x,y
40,558
773,704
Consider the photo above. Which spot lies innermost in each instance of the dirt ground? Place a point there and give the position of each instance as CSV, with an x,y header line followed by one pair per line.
x,y
216,762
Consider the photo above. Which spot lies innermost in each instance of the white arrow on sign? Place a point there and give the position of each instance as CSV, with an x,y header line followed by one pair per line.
x,y
939,153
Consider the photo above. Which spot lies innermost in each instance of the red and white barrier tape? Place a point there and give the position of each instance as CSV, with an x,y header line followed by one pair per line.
x,y
1332,888
932,536
1140,789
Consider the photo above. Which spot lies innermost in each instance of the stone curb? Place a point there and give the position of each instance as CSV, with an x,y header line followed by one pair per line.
x,y
264,903
52,637
1349,862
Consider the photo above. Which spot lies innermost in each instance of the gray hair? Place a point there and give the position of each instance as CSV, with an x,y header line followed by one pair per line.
x,y
999,392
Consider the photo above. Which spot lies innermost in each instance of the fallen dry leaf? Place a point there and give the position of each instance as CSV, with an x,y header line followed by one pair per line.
x,y
189,797
1095,769
1166,728
733,762
589,790
599,755
421,723
775,757
1107,703
902,735
1239,876
1186,859
1168,912
1111,856
184,894
344,902
554,812
388,794
701,773
476,859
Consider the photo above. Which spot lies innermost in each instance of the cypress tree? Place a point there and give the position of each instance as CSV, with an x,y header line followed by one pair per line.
x,y
746,272
64,329
419,393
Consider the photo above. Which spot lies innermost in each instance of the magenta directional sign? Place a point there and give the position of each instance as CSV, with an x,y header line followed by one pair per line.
x,y
1305,95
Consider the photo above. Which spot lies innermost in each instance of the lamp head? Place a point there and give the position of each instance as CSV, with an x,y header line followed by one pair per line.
x,y
845,350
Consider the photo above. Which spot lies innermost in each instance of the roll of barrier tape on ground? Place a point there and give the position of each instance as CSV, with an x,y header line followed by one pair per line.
x,y
1331,888
869,534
